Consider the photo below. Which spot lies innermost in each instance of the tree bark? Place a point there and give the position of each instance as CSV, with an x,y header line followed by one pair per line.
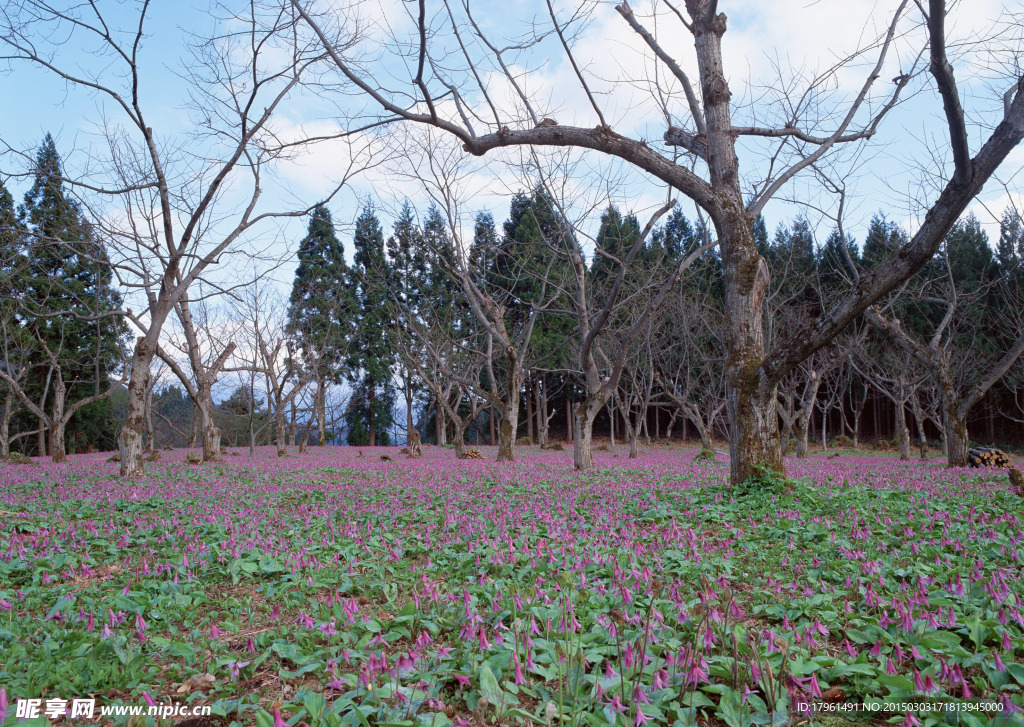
x,y
58,451
42,437
956,441
954,421
279,432
611,423
459,425
902,431
5,426
321,412
440,425
292,424
529,409
510,413
150,439
373,431
586,412
801,432
919,419
208,429
129,442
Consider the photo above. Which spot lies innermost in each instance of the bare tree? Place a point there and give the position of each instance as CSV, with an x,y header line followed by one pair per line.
x,y
274,358
501,338
466,101
962,373
58,364
897,379
183,203
207,355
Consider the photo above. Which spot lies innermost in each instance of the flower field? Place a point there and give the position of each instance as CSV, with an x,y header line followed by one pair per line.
x,y
337,588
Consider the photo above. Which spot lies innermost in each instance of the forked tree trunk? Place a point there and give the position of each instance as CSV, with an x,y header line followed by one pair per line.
x,y
750,397
129,443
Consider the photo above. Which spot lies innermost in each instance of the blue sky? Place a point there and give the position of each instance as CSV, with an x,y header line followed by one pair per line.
x,y
884,176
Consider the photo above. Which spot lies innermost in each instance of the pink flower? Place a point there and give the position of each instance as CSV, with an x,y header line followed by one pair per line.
x,y
616,706
462,679
518,672
1000,666
815,688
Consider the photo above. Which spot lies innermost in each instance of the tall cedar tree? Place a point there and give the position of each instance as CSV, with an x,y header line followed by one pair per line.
x,y
320,306
407,266
68,272
371,354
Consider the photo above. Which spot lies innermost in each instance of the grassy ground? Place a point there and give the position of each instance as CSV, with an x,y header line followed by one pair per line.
x,y
340,588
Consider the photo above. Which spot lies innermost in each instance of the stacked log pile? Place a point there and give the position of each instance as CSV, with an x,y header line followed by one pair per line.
x,y
987,457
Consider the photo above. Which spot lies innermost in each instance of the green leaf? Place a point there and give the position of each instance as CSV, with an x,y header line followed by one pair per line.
x,y
731,709
489,686
314,704
62,605
696,699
